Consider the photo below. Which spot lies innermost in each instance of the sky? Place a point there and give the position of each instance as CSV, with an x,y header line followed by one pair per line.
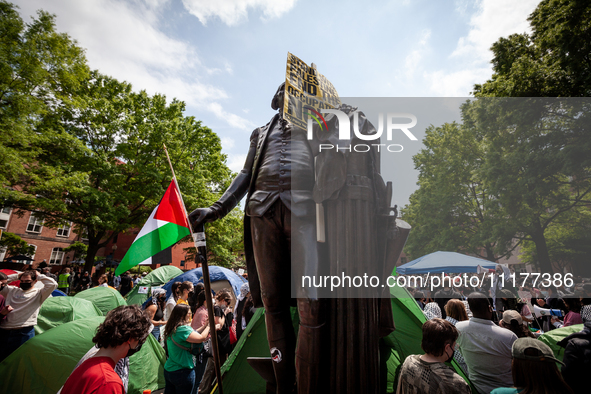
x,y
225,58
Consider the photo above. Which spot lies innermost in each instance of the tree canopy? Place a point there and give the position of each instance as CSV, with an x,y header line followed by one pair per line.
x,y
88,150
522,167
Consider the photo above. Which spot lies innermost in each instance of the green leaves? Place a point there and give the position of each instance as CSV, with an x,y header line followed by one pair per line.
x,y
534,163
555,61
82,147
15,245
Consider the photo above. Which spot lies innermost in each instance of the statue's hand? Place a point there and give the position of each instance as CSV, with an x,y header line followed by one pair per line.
x,y
202,215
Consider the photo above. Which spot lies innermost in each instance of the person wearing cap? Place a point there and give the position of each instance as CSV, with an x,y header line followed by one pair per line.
x,y
513,322
485,346
428,373
534,370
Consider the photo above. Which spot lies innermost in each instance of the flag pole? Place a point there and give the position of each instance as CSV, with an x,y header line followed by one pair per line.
x,y
200,246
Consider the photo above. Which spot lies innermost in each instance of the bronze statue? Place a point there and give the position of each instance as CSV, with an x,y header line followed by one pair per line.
x,y
337,347
272,215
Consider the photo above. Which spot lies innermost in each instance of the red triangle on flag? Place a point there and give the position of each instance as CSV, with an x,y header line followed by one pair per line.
x,y
171,207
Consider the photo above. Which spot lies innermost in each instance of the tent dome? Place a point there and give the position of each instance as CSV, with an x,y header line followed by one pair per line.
x,y
105,298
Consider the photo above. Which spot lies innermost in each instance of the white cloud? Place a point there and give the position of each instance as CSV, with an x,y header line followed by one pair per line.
x,y
227,143
236,162
414,58
232,119
470,60
122,39
457,83
232,12
494,19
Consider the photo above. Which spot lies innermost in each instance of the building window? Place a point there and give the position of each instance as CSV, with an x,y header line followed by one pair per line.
x,y
64,231
57,255
4,217
83,233
402,260
32,256
35,224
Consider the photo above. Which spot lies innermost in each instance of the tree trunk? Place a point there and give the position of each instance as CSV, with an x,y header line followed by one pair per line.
x,y
490,255
541,248
90,255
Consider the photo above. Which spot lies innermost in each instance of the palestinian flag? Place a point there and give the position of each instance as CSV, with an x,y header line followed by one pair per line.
x,y
166,226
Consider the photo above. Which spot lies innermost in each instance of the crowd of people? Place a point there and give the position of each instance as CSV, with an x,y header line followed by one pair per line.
x,y
180,323
492,335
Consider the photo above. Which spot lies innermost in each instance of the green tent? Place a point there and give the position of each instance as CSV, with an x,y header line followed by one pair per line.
x,y
42,365
105,298
158,277
56,311
239,377
407,337
551,338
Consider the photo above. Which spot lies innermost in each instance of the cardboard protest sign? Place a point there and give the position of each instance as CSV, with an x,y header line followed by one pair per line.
x,y
306,93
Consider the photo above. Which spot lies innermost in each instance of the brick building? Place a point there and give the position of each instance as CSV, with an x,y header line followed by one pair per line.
x,y
49,243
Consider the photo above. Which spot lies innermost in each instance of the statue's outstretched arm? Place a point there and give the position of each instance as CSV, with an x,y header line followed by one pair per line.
x,y
232,195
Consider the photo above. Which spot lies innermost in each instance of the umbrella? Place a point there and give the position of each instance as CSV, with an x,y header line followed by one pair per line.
x,y
444,262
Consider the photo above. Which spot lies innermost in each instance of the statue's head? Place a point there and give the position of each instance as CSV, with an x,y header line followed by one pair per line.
x,y
277,102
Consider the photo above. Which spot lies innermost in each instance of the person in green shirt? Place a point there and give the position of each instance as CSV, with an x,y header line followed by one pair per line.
x,y
180,370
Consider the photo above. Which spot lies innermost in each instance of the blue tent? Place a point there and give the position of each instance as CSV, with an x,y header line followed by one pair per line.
x,y
215,273
58,293
444,262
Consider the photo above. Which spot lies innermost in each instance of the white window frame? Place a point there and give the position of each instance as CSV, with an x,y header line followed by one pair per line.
x,y
57,256
63,229
5,216
33,257
84,234
36,222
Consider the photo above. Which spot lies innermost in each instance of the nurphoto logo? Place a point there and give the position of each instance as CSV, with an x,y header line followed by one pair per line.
x,y
345,129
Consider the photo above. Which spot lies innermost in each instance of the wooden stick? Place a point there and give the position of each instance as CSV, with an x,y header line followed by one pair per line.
x,y
200,246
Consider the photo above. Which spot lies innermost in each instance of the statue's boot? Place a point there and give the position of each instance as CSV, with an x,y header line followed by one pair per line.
x,y
308,357
282,346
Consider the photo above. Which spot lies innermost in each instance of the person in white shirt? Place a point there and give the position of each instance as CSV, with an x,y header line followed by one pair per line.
x,y
486,347
25,301
171,301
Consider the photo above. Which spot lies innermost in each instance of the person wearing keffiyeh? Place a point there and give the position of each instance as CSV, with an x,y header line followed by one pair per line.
x,y
155,311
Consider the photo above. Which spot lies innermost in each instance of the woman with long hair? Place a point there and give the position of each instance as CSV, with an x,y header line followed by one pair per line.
x,y
201,316
185,291
180,371
198,288
534,370
171,301
456,312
